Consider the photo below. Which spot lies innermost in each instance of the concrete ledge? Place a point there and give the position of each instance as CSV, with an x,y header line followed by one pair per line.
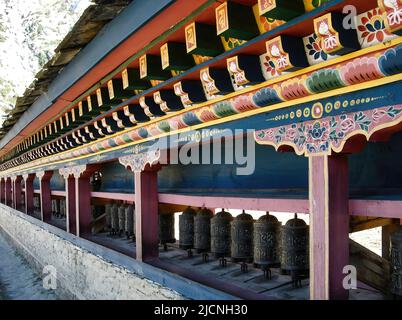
x,y
86,270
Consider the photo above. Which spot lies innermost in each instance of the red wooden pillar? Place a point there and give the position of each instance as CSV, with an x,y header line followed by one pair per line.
x,y
329,225
71,220
45,195
82,186
29,193
2,190
146,214
17,192
83,203
8,192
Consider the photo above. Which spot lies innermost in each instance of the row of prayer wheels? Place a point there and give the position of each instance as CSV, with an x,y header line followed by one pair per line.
x,y
264,242
120,219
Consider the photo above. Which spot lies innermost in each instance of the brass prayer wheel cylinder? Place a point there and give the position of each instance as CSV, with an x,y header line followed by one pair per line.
x,y
129,220
202,230
166,228
242,238
295,245
220,234
186,229
108,216
266,241
122,217
396,263
115,217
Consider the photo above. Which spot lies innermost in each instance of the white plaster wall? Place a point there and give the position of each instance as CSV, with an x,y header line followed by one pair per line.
x,y
81,274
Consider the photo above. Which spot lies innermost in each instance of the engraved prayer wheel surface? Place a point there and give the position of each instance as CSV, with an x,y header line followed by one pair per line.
x,y
396,263
295,245
129,220
108,215
115,217
220,234
242,238
202,230
122,217
166,228
266,241
186,229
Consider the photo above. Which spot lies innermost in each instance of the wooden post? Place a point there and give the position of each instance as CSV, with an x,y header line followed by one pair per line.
x,y
17,192
8,201
2,190
145,167
29,193
329,226
83,203
45,195
146,214
71,221
387,231
80,204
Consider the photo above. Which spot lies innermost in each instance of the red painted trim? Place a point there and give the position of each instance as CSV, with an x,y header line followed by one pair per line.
x,y
146,215
280,205
58,193
152,30
114,196
376,208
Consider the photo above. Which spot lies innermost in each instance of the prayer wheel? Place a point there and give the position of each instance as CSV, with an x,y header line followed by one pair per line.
x,y
186,229
129,221
122,218
295,249
266,243
220,235
202,230
396,263
108,216
115,218
166,229
242,239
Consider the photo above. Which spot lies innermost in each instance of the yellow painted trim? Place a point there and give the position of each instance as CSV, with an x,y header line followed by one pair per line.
x,y
250,113
321,65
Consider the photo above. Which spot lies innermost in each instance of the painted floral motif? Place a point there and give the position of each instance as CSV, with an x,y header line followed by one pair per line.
x,y
268,68
372,66
265,24
322,136
315,53
371,28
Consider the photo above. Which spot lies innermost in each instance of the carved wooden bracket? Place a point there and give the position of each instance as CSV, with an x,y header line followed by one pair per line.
x,y
75,171
138,162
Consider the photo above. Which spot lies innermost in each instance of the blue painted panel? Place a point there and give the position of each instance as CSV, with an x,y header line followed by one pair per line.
x,y
57,182
115,178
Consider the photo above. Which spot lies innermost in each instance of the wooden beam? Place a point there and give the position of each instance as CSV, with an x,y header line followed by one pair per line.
x,y
372,269
368,223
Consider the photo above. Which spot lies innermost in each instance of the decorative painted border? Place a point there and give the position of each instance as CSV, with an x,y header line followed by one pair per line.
x,y
368,67
317,137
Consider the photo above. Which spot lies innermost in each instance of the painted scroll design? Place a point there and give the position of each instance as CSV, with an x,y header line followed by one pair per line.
x,y
372,66
138,162
331,133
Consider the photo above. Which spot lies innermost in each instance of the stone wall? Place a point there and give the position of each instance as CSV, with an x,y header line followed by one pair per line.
x,y
84,270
